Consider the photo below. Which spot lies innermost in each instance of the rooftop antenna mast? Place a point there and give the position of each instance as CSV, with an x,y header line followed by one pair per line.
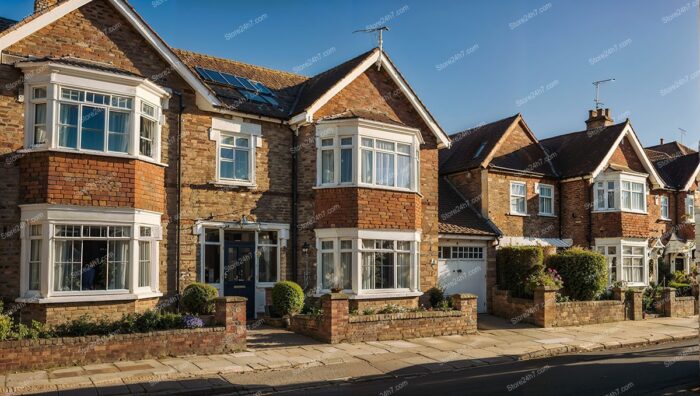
x,y
380,29
597,101
683,133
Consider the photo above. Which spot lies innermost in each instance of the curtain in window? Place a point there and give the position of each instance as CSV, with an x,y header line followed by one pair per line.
x,y
403,177
118,263
68,126
93,128
346,269
118,131
327,166
67,266
385,169
368,270
242,165
346,165
403,269
144,263
40,123
327,273
146,135
267,264
34,263
367,164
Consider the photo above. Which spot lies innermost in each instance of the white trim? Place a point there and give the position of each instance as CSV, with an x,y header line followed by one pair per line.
x,y
639,150
539,196
88,298
511,196
396,235
376,58
465,237
691,180
236,127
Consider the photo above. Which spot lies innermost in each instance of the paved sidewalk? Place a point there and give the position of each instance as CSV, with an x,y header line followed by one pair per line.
x,y
269,367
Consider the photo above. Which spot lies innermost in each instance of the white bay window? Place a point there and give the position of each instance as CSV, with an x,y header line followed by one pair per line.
x,y
631,254
620,191
690,208
70,253
364,153
367,262
70,108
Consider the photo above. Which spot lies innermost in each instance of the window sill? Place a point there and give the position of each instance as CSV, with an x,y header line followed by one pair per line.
x,y
517,214
87,298
374,295
664,219
546,215
620,211
88,152
223,183
397,189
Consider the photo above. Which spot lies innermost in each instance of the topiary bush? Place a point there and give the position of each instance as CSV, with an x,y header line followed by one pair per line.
x,y
584,272
436,295
287,298
198,298
515,264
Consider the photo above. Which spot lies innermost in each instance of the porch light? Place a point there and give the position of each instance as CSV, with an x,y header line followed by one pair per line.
x,y
305,248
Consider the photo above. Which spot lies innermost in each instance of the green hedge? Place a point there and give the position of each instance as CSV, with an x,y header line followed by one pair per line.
x,y
585,273
198,298
515,264
287,298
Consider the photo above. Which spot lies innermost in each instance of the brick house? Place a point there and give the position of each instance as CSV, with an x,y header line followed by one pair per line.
x,y
132,169
595,188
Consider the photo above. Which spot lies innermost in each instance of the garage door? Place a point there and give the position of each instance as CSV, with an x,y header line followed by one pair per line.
x,y
461,275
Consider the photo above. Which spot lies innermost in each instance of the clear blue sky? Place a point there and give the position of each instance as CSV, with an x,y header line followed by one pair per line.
x,y
495,58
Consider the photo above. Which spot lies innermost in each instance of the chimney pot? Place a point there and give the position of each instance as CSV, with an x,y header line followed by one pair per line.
x,y
661,141
598,118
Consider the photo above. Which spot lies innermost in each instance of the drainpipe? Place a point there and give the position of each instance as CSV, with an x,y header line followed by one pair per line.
x,y
590,216
559,202
178,222
294,230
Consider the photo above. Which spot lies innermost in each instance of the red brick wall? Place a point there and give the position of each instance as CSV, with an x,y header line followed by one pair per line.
x,y
469,185
53,314
516,139
625,155
576,211
91,180
366,208
511,225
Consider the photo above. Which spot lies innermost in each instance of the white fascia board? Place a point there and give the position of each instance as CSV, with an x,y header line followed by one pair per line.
x,y
692,179
398,235
88,214
357,125
236,126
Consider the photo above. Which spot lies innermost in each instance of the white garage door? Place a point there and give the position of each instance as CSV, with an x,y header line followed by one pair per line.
x,y
464,275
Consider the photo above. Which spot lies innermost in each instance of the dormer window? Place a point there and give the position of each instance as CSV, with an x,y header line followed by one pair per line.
x,y
83,110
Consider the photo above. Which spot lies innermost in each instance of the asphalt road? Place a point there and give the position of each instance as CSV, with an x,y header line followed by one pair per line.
x,y
658,370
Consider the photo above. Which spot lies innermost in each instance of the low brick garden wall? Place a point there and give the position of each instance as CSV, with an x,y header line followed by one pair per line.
x,y
676,307
228,336
336,325
544,311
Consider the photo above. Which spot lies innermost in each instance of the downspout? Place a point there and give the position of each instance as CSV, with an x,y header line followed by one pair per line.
x,y
178,222
561,212
294,230
590,216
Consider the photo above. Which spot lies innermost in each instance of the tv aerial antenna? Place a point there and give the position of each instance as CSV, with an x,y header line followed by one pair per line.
x,y
683,133
380,30
597,101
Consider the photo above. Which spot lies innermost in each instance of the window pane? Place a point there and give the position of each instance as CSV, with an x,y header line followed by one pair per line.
x,y
228,140
147,131
144,263
118,264
327,274
403,177
378,270
326,142
403,270
94,270
326,245
367,142
385,169
212,263
118,131
346,245
211,234
34,264
403,148
385,145
346,141
242,161
327,164
367,166
40,123
148,109
403,245
68,126
267,264
93,128
242,142
67,265
267,237
39,93
226,169
346,165
345,272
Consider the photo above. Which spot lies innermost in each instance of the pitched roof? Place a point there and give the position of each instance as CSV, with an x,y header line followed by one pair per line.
x,y
581,153
286,86
457,216
6,23
366,115
70,61
319,84
655,155
462,154
672,149
678,171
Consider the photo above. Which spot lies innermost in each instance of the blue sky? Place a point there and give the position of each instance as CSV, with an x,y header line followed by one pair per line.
x,y
477,61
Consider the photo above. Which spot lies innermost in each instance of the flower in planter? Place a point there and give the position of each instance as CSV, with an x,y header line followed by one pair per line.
x,y
192,322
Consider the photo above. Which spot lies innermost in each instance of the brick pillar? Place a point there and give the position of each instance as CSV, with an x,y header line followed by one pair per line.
x,y
633,303
545,306
618,294
230,312
336,315
467,304
669,301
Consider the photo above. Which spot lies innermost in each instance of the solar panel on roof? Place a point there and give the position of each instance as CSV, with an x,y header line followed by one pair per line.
x,y
247,84
216,76
262,88
203,74
252,90
270,100
232,80
253,96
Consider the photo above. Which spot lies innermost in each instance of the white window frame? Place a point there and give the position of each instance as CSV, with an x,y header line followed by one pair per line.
x,y
540,187
235,127
38,238
462,252
665,208
617,180
619,244
258,245
513,196
690,208
55,77
51,216
357,236
357,130
33,102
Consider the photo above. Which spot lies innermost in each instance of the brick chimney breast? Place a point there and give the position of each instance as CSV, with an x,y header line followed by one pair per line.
x,y
598,118
41,5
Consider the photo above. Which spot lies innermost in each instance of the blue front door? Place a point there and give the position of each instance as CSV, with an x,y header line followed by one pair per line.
x,y
239,271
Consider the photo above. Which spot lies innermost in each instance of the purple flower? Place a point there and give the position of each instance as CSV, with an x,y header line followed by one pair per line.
x,y
192,322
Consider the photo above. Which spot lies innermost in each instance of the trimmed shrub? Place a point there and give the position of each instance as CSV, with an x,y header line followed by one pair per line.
x,y
287,298
682,289
546,278
585,273
516,264
436,296
198,298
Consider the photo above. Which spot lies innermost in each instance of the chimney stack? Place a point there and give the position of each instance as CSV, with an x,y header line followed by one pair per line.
x,y
661,141
41,5
598,118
